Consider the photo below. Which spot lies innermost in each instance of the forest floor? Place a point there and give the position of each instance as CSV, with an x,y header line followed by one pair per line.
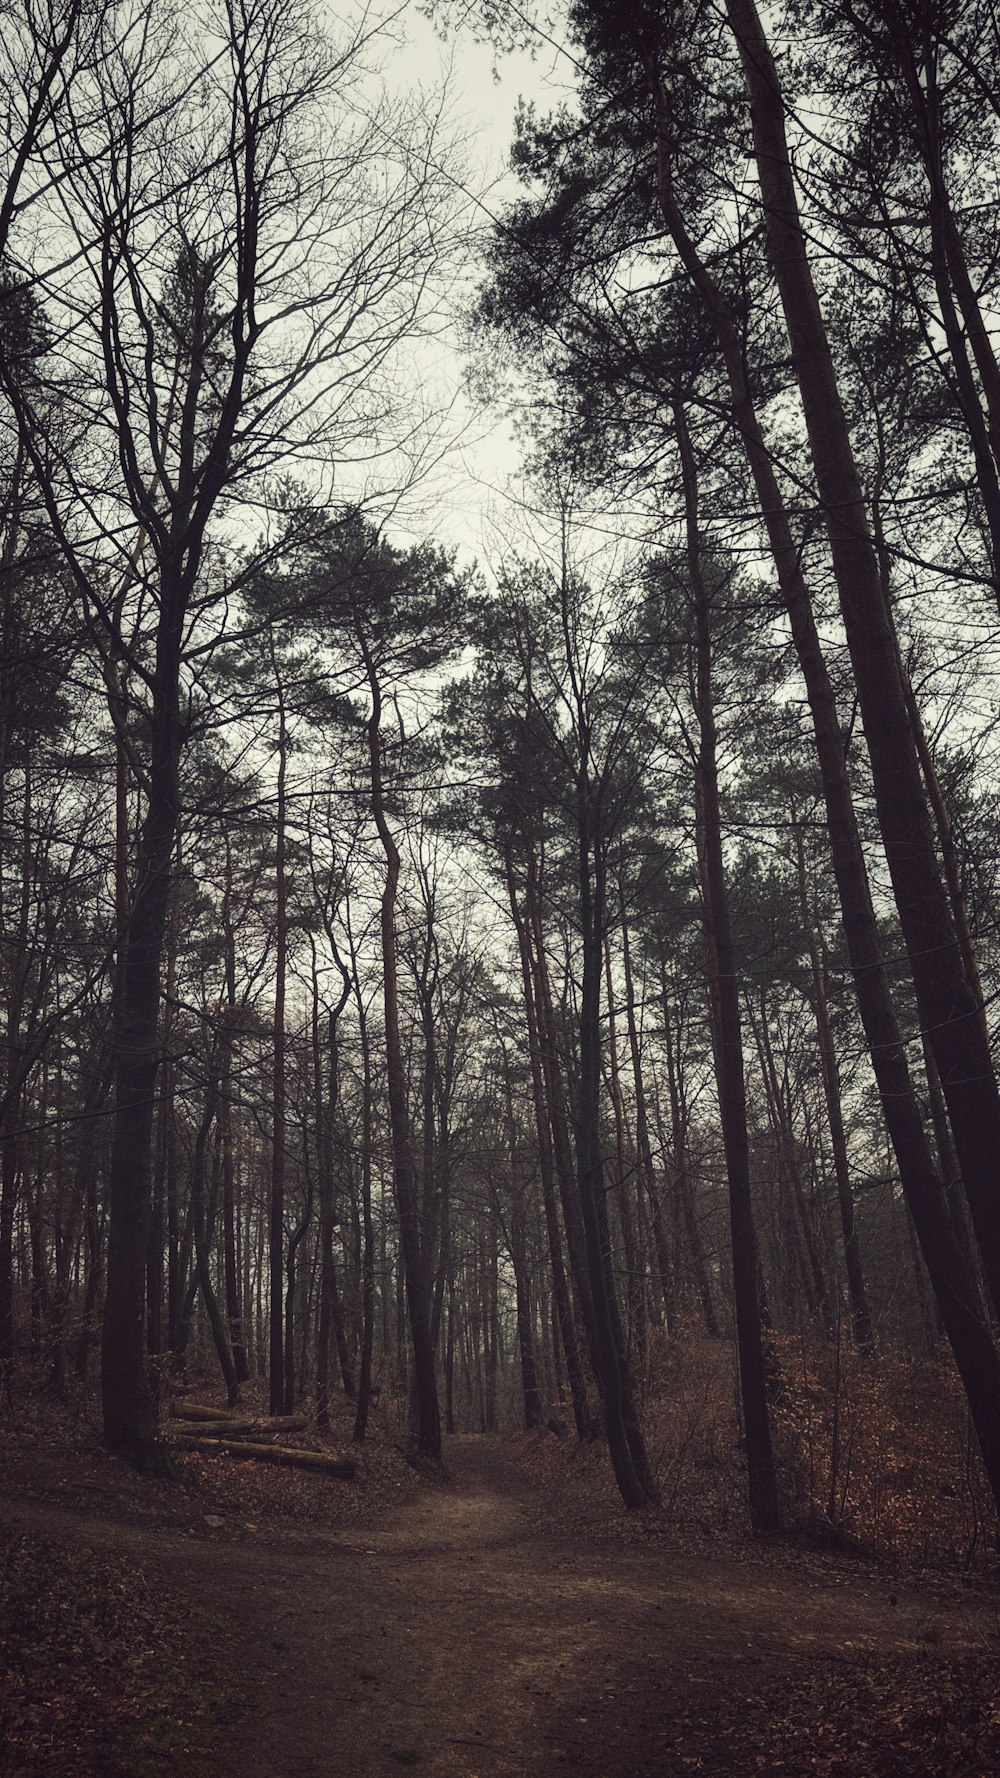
x,y
467,1627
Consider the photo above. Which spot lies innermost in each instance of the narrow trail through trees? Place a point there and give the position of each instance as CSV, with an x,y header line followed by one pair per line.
x,y
467,1636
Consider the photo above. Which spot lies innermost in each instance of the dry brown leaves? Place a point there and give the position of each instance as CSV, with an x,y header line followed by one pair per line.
x,y
98,1669
874,1718
271,1498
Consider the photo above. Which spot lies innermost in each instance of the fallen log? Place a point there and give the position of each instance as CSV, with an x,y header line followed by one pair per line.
x,y
236,1423
344,1468
241,1429
193,1410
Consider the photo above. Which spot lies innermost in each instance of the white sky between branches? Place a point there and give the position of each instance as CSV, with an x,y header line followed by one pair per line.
x,y
454,502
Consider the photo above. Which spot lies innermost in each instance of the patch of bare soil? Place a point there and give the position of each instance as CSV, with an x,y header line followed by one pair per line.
x,y
464,1634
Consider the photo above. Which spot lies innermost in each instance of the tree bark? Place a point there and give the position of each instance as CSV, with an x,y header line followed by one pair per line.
x,y
234,1305
368,1234
555,1095
629,1458
765,1514
776,1097
860,1318
957,1292
643,1144
343,1468
560,1287
276,1227
203,1226
129,1409
948,1006
407,1203
679,1121
635,1273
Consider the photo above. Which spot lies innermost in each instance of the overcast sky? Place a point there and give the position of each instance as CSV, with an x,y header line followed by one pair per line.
x,y
457,504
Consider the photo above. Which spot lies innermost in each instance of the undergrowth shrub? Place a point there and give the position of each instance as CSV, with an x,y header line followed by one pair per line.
x,y
875,1452
880,1452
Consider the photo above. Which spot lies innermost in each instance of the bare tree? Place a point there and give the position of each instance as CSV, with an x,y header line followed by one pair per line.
x,y
44,45
237,239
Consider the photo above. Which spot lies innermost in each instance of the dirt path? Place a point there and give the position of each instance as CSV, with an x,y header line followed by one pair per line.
x,y
461,1637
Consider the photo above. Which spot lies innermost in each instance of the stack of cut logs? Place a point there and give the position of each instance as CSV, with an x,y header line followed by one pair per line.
x,y
216,1433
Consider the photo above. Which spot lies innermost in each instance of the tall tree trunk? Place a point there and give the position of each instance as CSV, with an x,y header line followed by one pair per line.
x,y
296,1239
203,1222
629,1458
765,1513
948,1006
775,1096
276,1248
860,1318
518,1248
407,1203
624,1172
948,1163
96,1087
92,1251
430,1147
968,1332
331,1320
642,1141
130,1413
163,1235
449,1357
368,1233
489,1305
10,1140
154,1260
234,1305
530,1394
552,1074
683,1190
560,1287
